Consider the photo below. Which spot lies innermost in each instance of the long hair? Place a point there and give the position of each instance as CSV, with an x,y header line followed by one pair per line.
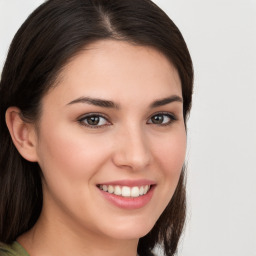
x,y
54,33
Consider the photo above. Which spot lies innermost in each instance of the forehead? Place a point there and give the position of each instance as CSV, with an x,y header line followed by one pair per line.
x,y
120,70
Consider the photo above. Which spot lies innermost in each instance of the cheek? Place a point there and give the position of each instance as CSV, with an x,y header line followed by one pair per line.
x,y
170,156
170,153
71,156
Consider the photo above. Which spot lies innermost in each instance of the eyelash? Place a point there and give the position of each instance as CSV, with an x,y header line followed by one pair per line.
x,y
171,117
96,115
82,120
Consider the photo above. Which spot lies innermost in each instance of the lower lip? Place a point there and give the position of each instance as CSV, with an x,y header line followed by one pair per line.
x,y
129,203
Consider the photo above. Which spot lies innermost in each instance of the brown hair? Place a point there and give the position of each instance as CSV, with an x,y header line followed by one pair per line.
x,y
48,39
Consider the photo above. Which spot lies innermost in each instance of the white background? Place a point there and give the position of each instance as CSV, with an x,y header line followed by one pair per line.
x,y
221,36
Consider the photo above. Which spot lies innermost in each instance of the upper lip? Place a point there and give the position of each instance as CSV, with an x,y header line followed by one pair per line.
x,y
129,183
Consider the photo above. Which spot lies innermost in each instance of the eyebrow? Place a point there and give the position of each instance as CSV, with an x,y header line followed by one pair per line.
x,y
111,104
95,102
165,101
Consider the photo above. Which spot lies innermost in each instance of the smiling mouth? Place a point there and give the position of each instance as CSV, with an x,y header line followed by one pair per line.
x,y
125,191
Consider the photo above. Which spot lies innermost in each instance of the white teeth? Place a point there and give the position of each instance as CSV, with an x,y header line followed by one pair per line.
x,y
118,191
135,192
110,189
126,191
141,191
146,188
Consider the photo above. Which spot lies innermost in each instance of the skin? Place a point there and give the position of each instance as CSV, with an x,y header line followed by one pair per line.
x,y
75,157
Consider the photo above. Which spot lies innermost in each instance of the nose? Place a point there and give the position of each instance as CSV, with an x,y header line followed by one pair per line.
x,y
132,149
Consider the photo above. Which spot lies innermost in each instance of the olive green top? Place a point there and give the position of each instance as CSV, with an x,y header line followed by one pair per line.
x,y
14,249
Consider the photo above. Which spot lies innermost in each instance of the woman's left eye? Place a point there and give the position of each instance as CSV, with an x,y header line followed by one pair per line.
x,y
94,121
162,119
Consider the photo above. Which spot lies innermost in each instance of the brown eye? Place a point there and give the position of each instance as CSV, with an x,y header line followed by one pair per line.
x,y
162,119
157,119
94,121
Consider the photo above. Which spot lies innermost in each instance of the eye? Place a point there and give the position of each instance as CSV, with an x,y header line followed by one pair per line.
x,y
162,119
94,120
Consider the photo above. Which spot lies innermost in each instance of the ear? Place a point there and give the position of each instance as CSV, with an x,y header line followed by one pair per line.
x,y
22,133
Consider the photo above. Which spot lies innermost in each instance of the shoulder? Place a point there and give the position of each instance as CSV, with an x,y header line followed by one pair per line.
x,y
5,250
14,249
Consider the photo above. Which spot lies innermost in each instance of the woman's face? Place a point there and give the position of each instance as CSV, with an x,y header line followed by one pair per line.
x,y
111,141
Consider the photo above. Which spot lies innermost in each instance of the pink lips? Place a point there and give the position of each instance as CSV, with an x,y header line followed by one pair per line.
x,y
129,202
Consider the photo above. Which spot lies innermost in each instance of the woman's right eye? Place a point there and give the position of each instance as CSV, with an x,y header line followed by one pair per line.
x,y
94,121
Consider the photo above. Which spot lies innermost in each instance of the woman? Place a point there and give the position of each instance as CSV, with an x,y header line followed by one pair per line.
x,y
94,100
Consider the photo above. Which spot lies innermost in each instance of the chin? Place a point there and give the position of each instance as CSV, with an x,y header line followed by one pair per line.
x,y
135,230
